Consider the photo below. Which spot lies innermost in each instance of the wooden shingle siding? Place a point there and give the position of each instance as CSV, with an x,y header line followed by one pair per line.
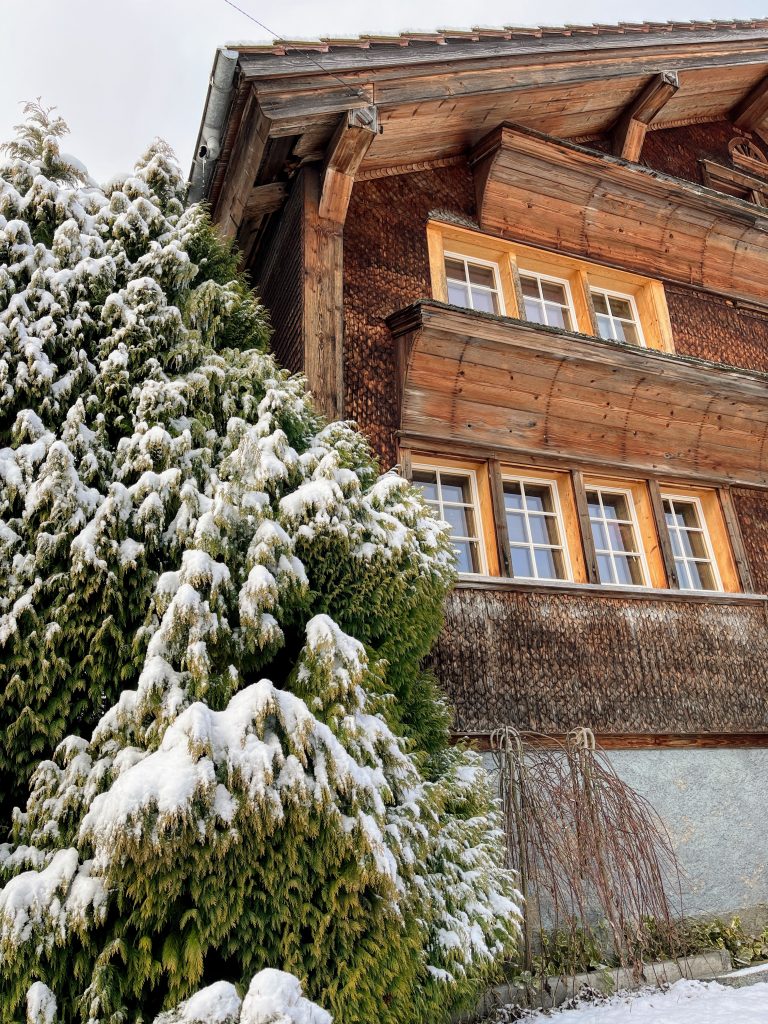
x,y
549,662
386,267
279,283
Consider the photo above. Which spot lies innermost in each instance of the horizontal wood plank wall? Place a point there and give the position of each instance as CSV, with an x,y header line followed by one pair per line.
x,y
550,662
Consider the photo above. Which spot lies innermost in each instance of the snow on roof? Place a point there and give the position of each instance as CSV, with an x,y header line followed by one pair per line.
x,y
450,36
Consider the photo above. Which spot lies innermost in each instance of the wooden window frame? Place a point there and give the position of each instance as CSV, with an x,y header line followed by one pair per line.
x,y
637,322
482,502
634,520
645,495
509,476
692,499
494,266
719,534
539,276
581,275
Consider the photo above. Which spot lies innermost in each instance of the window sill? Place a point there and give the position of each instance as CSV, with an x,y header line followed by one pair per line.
x,y
477,582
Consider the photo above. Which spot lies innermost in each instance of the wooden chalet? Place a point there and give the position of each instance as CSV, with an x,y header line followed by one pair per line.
x,y
532,265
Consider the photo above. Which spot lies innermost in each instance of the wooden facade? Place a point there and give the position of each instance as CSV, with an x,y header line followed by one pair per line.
x,y
626,163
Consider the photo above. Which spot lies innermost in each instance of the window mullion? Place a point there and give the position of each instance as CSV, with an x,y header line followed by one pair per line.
x,y
662,533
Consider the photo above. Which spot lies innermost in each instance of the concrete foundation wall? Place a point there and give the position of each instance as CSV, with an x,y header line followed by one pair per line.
x,y
714,804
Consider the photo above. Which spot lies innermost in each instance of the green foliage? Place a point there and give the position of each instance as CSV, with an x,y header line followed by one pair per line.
x,y
213,615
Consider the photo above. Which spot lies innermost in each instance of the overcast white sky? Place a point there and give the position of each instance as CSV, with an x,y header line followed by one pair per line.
x,y
123,71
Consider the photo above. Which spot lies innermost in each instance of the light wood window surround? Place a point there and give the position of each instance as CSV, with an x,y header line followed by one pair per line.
x,y
580,277
470,513
525,523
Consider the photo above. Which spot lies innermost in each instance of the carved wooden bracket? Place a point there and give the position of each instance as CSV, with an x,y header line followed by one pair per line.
x,y
629,133
356,131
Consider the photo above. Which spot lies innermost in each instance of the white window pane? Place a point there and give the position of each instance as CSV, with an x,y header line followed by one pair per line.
x,y
600,302
454,270
426,482
558,317
604,327
530,286
604,569
513,497
481,275
626,332
455,488
468,560
544,530
623,569
460,520
702,576
516,526
620,307
534,311
485,302
458,295
547,564
522,564
600,536
553,291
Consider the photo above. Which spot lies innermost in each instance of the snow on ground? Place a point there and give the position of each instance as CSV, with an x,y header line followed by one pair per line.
x,y
686,1002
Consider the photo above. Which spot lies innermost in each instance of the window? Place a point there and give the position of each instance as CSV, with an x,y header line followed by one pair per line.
x,y
547,300
453,496
691,546
490,274
615,534
534,528
473,283
616,316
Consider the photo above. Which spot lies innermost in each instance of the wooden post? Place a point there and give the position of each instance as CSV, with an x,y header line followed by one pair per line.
x,y
406,469
323,319
737,542
499,516
657,504
585,527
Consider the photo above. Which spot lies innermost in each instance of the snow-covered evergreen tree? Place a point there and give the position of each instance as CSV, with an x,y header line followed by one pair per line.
x,y
214,614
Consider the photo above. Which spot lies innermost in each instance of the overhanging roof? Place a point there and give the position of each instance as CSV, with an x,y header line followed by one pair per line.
x,y
438,94
517,388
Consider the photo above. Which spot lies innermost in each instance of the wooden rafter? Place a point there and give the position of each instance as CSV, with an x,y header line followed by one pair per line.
x,y
751,113
629,133
355,133
264,199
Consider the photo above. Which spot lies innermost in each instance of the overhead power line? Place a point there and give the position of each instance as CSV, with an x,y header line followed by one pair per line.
x,y
276,35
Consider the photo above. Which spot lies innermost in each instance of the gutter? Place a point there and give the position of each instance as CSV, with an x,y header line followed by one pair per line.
x,y
217,103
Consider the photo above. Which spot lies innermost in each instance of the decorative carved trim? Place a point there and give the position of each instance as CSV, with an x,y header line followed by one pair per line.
x,y
420,165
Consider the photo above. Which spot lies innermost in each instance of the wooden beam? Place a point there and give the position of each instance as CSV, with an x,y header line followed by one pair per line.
x,y
356,131
629,133
662,532
737,541
323,320
585,526
500,516
264,199
751,112
243,167
634,740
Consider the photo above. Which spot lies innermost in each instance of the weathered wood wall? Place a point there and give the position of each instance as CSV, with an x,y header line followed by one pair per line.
x,y
386,268
549,662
